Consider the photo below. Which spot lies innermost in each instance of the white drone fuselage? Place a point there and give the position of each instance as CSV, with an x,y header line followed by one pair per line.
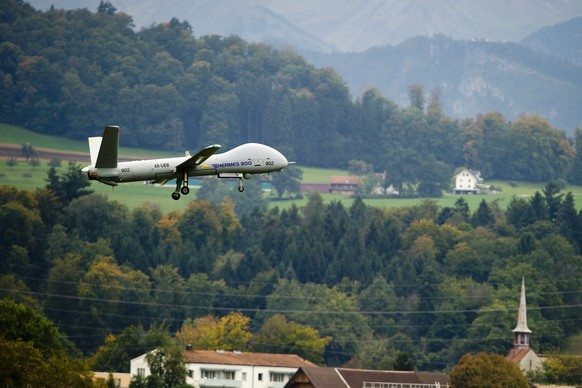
x,y
240,162
249,158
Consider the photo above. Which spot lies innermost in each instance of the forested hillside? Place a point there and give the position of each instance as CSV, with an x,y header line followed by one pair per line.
x,y
358,286
69,73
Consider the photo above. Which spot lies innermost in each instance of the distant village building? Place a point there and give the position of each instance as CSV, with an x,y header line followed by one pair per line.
x,y
522,354
208,368
317,377
121,380
344,184
468,182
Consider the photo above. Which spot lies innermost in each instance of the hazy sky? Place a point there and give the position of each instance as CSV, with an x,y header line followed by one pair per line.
x,y
352,25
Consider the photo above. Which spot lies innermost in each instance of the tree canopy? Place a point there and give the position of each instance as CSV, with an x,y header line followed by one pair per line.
x,y
330,278
487,370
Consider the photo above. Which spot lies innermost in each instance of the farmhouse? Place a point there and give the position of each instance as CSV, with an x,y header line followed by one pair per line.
x,y
468,182
343,184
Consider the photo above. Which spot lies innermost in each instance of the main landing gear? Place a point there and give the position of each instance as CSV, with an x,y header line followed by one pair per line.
x,y
179,188
182,182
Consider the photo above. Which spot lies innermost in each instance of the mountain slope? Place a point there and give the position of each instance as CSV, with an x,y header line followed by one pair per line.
x,y
563,40
360,24
474,77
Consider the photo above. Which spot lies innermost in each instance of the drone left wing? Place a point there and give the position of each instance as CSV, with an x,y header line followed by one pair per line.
x,y
199,158
191,162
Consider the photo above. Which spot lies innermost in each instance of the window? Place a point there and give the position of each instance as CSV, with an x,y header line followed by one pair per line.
x,y
278,377
141,372
217,374
244,376
260,377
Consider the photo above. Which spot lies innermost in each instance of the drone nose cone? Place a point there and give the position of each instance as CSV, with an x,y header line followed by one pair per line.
x,y
284,161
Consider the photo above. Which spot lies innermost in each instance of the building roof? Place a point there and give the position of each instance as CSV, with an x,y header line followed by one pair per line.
x,y
475,173
242,358
323,377
517,354
344,180
355,378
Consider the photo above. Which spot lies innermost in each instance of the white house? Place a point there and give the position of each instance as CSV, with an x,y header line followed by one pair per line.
x,y
208,368
468,182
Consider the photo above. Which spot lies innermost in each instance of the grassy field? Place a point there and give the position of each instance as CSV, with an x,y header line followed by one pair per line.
x,y
574,345
10,134
133,195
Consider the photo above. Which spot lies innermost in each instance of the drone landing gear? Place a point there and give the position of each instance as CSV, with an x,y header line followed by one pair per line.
x,y
179,188
236,175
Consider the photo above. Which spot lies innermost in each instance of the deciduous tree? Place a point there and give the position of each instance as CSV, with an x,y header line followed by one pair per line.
x,y
278,335
487,370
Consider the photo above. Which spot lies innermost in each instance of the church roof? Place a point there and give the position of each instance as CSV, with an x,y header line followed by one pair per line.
x,y
517,354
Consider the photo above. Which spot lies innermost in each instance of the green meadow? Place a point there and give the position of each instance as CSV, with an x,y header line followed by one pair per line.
x,y
24,176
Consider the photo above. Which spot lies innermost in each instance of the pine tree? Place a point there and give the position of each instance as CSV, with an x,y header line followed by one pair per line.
x,y
483,216
576,173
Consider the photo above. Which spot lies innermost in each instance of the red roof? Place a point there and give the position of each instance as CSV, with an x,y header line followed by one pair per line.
x,y
242,358
517,354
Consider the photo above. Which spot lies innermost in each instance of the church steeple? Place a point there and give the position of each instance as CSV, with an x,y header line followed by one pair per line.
x,y
521,333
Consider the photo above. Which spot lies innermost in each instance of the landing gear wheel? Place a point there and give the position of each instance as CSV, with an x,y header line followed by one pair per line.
x,y
175,195
185,190
241,189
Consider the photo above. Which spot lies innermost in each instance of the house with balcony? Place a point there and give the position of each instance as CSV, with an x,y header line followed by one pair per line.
x,y
225,369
